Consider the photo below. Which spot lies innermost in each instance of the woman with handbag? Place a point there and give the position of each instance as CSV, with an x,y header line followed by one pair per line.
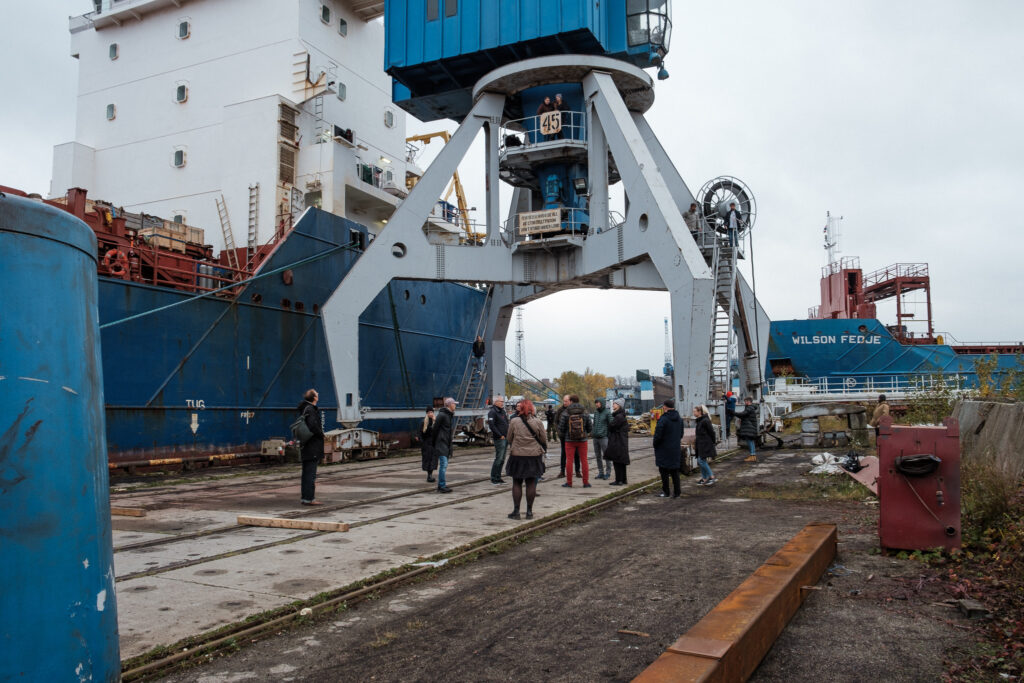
x,y
427,452
312,447
527,445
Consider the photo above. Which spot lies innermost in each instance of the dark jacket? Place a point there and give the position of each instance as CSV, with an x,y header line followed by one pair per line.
x,y
549,414
314,448
479,349
563,422
497,422
618,439
705,438
602,417
443,425
427,454
748,422
739,218
558,421
730,405
668,435
545,108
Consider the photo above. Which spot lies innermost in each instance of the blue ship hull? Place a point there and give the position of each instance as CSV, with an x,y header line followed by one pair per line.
x,y
862,354
220,375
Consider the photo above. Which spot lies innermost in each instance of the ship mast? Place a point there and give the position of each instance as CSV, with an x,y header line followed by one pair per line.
x,y
833,231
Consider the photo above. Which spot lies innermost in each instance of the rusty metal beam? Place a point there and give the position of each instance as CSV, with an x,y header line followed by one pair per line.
x,y
729,643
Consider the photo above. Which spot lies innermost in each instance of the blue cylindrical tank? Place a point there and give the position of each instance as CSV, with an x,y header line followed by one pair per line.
x,y
58,618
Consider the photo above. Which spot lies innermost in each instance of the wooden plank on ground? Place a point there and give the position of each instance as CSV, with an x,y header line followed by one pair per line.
x,y
279,523
869,475
127,512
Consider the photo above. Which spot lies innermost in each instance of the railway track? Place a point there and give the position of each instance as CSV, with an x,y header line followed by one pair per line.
x,y
326,509
228,639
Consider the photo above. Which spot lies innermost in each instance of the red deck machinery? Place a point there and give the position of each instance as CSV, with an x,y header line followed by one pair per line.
x,y
919,486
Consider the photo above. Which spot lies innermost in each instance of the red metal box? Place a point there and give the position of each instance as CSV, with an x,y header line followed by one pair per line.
x,y
919,486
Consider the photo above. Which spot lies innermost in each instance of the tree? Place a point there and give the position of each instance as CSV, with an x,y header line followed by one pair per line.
x,y
588,386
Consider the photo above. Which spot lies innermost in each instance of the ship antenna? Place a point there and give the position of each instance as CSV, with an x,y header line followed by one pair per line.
x,y
833,232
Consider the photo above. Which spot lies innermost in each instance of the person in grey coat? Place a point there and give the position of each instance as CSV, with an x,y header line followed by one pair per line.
x,y
668,435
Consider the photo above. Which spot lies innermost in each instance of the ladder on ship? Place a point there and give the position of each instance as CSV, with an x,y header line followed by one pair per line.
x,y
225,226
254,221
473,389
721,352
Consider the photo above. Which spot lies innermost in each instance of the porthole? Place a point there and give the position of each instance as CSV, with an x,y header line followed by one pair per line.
x,y
299,306
113,51
643,222
285,303
342,27
406,294
184,30
423,299
111,112
398,250
389,118
257,298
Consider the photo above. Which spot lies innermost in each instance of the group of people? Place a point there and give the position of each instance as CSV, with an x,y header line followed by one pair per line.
x,y
548,106
668,435
732,223
521,445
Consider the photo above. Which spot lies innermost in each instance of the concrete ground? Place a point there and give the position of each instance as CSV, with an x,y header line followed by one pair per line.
x,y
552,608
173,583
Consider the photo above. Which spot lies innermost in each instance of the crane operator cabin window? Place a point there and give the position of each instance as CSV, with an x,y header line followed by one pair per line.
x,y
649,21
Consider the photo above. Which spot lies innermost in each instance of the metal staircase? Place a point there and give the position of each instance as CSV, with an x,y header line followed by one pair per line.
x,y
254,222
225,226
473,389
721,352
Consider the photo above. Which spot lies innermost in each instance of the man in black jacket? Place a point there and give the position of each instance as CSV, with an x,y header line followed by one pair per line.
x,y
733,223
443,426
549,415
497,422
313,449
479,350
668,437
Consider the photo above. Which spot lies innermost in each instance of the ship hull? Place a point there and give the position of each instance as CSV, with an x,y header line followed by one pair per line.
x,y
220,375
863,354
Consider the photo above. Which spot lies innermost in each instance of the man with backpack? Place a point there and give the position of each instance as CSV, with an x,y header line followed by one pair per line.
x,y
575,427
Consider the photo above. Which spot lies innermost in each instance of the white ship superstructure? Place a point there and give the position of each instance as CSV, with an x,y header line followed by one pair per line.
x,y
270,105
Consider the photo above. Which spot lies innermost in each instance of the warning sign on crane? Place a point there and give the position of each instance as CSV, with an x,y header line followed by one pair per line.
x,y
540,221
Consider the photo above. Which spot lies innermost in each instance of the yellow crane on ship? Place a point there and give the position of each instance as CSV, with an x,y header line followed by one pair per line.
x,y
454,186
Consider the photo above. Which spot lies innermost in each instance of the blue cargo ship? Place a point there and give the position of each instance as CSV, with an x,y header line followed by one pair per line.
x,y
842,346
187,375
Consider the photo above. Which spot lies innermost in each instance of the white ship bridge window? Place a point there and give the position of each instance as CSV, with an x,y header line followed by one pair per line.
x,y
342,27
111,112
325,14
178,158
113,51
389,118
181,93
342,91
184,29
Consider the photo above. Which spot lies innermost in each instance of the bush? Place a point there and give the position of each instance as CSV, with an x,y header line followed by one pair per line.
x,y
986,492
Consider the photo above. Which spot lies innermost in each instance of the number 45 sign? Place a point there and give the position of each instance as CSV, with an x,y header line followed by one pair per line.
x,y
551,122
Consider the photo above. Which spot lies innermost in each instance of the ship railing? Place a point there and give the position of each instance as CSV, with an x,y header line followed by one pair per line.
x,y
812,312
532,131
894,271
845,263
181,272
858,387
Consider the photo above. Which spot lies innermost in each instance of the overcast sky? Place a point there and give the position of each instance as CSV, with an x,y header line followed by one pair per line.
x,y
904,117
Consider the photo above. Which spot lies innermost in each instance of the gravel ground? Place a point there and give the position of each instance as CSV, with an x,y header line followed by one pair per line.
x,y
550,609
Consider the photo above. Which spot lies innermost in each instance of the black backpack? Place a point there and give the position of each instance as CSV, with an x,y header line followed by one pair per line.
x,y
576,430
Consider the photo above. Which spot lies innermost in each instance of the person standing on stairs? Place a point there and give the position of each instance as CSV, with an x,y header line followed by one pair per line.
x,y
479,349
